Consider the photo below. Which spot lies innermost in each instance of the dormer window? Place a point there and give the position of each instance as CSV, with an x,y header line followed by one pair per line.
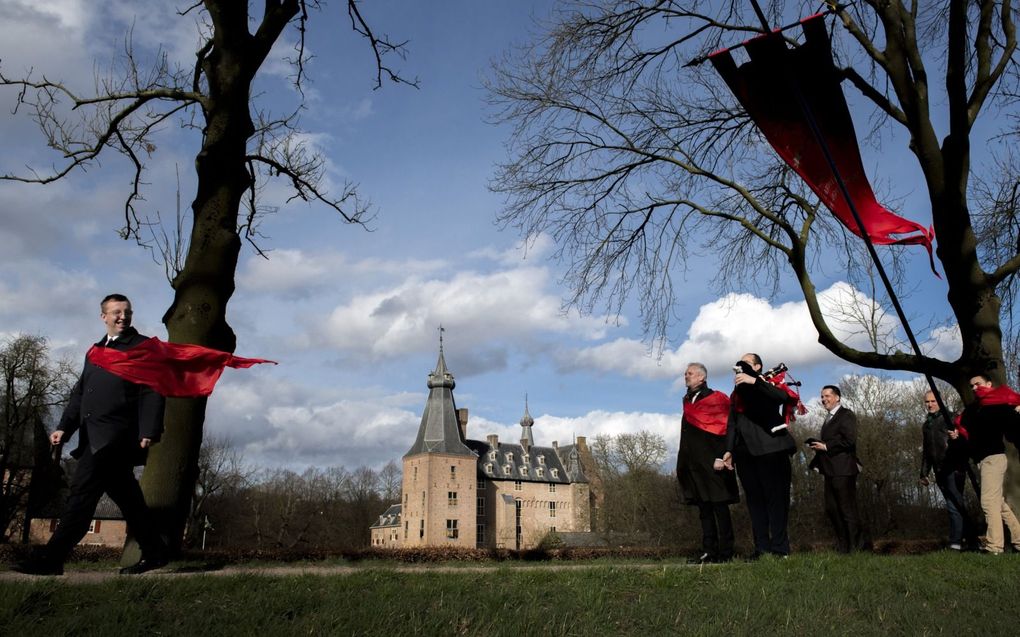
x,y
488,468
509,456
526,458
492,455
540,472
524,471
556,473
506,469
541,460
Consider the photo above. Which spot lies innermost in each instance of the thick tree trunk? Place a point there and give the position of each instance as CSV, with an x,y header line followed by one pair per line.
x,y
205,284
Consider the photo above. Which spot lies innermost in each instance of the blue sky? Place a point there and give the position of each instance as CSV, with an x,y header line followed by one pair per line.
x,y
353,316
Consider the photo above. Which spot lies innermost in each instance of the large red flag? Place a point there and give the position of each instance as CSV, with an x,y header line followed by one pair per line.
x,y
762,86
172,369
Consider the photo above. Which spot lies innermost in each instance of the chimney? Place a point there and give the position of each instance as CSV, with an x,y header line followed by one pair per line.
x,y
556,445
493,440
462,418
582,443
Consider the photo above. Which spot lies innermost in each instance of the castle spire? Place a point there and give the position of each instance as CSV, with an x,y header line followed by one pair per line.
x,y
527,438
439,431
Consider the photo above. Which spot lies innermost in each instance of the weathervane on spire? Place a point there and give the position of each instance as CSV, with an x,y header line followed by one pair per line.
x,y
441,330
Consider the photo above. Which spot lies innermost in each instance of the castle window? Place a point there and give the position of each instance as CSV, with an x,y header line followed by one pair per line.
x,y
481,484
506,469
405,529
509,456
405,499
555,473
453,472
451,530
421,529
518,485
552,487
415,476
552,509
481,507
492,455
526,458
540,472
541,460
423,498
451,498
488,469
524,471
480,530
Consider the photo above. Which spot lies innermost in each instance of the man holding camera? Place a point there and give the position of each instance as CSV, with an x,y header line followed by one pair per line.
x,y
759,444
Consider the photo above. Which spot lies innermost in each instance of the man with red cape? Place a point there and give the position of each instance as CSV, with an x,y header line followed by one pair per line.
x,y
704,481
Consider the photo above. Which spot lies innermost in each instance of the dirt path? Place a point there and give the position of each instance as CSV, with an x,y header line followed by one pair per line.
x,y
98,576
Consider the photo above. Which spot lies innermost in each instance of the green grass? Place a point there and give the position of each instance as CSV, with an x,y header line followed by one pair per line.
x,y
818,594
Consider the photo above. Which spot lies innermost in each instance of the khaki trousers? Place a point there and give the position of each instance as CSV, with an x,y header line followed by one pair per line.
x,y
997,512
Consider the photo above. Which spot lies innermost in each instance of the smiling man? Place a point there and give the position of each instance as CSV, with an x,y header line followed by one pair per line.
x,y
116,421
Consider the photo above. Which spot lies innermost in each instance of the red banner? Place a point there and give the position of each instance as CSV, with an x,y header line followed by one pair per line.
x,y
171,369
764,87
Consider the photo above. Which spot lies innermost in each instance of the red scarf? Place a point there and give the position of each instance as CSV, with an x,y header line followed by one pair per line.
x,y
709,414
171,369
1001,395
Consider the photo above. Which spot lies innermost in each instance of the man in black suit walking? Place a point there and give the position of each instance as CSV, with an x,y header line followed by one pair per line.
x,y
116,421
836,459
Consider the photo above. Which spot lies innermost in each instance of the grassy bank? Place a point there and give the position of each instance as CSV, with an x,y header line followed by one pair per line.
x,y
817,594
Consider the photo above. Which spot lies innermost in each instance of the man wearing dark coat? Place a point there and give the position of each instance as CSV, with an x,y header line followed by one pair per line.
x,y
760,446
944,451
836,459
116,421
704,481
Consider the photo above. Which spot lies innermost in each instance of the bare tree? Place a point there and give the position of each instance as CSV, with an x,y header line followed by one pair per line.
x,y
390,482
238,152
220,468
33,386
631,159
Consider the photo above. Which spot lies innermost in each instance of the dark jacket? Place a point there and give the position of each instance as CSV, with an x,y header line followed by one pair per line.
x,y
939,452
987,426
757,408
106,410
840,437
699,481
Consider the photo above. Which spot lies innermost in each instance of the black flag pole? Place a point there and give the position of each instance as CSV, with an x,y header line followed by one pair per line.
x,y
844,191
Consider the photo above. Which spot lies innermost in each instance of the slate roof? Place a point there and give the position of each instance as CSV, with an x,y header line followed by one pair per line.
x,y
510,462
391,517
439,431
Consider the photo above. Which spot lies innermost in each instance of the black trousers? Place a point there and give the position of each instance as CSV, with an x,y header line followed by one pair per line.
x,y
766,481
110,471
841,507
716,530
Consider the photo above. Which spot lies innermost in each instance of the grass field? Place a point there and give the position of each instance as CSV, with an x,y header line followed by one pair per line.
x,y
815,594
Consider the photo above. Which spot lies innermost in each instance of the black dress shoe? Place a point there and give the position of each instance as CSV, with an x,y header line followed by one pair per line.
x,y
145,565
39,567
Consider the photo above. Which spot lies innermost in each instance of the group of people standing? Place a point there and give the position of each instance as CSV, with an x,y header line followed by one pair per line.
x,y
744,435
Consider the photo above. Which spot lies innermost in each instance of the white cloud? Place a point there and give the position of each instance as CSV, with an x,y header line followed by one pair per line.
x,y
479,308
729,327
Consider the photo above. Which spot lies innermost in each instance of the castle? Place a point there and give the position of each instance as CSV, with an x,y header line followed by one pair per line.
x,y
486,494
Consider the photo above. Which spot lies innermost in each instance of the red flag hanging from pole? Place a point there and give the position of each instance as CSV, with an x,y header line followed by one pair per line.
x,y
171,369
761,87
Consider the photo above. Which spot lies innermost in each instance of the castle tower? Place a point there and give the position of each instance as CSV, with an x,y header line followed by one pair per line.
x,y
440,472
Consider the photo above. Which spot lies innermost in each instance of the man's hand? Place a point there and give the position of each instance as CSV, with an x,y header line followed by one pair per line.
x,y
727,460
818,446
56,437
145,443
742,378
953,434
